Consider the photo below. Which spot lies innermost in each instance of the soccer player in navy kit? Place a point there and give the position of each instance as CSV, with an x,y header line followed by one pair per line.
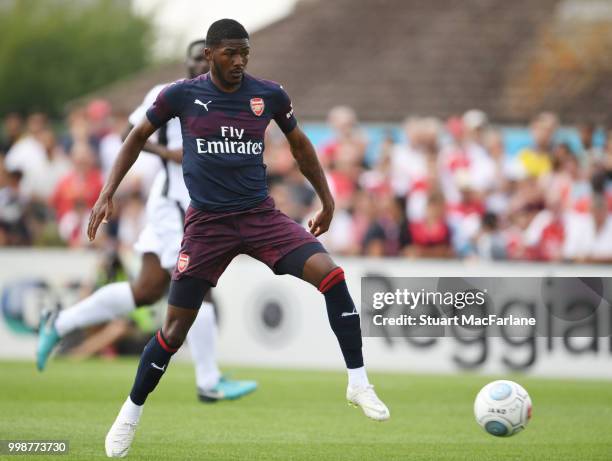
x,y
223,117
159,245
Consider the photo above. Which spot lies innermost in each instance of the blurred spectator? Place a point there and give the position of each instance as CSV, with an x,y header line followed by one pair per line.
x,y
344,174
349,227
131,220
464,218
490,243
377,179
281,193
590,154
282,168
12,129
13,227
28,154
72,224
507,171
111,143
601,240
545,235
81,185
408,163
465,161
343,121
98,114
589,236
430,237
387,234
413,167
143,172
79,131
536,160
43,176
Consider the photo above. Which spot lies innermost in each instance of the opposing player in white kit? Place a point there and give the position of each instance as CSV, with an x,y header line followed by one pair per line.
x,y
159,243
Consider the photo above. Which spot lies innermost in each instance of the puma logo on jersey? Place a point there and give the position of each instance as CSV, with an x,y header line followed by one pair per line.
x,y
197,101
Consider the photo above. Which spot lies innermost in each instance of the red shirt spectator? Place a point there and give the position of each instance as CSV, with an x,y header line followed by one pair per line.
x,y
551,243
82,183
429,234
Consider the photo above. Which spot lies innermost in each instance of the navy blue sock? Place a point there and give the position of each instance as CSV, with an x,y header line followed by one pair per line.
x,y
343,317
153,363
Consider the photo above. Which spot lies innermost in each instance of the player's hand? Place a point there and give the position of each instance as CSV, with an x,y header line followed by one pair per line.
x,y
319,224
100,213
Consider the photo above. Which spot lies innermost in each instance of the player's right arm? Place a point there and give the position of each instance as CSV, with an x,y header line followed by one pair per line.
x,y
167,105
172,155
130,149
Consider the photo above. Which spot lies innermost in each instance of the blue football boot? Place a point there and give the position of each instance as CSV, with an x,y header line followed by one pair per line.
x,y
227,389
48,337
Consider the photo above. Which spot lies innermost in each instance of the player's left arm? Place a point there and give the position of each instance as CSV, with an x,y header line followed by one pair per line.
x,y
306,158
308,162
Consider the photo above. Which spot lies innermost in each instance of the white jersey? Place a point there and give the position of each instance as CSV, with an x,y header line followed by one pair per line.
x,y
176,189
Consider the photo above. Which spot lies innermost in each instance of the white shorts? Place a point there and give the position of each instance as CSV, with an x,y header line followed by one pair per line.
x,y
163,231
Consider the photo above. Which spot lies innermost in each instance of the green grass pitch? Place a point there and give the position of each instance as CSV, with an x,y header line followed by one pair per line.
x,y
297,415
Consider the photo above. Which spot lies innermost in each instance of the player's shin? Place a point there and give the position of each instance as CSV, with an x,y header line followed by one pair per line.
x,y
344,321
153,363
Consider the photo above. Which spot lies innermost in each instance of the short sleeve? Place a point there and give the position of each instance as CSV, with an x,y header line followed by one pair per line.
x,y
168,104
141,111
283,111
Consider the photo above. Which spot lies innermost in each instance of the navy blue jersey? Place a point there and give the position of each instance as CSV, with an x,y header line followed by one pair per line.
x,y
223,137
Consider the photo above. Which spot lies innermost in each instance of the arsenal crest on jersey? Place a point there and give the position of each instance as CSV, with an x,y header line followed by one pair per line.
x,y
183,262
257,106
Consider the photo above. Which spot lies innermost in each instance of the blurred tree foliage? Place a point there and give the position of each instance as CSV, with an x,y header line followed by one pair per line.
x,y
52,51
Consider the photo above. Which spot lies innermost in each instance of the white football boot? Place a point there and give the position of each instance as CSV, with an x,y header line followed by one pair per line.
x,y
366,398
120,437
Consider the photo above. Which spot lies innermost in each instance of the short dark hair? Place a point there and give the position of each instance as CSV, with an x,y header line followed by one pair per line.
x,y
199,41
225,29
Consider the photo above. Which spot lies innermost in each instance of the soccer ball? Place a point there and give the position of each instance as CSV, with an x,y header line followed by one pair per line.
x,y
502,408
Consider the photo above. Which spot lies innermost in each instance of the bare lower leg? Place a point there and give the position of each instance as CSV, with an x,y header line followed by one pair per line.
x,y
152,281
317,267
177,324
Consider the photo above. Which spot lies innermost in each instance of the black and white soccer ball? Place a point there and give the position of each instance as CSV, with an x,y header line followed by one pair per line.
x,y
502,408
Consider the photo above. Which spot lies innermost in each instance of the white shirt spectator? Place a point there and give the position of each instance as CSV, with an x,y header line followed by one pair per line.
x,y
470,166
601,244
28,156
579,235
407,166
340,236
43,176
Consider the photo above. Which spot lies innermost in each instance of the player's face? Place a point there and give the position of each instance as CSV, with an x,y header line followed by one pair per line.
x,y
229,60
196,61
